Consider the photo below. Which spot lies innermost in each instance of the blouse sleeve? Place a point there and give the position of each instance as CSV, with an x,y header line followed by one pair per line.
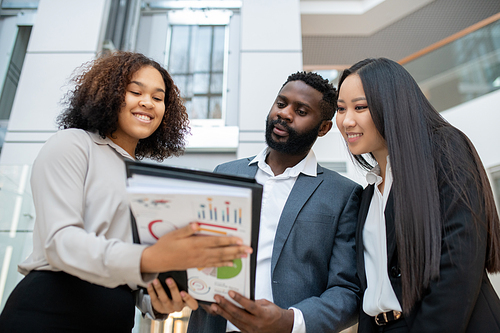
x,y
62,238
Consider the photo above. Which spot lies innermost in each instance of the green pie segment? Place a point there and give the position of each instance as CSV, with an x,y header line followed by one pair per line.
x,y
228,272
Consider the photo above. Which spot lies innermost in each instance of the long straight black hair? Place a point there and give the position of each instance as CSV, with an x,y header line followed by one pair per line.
x,y
420,143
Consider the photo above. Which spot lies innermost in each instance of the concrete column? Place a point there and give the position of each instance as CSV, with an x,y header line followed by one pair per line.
x,y
65,35
271,49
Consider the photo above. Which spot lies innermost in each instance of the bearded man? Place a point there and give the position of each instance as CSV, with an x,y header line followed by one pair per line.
x,y
306,265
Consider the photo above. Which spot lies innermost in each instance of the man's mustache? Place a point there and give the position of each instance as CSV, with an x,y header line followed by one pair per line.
x,y
282,123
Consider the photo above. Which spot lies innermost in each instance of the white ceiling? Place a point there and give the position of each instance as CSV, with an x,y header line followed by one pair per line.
x,y
337,6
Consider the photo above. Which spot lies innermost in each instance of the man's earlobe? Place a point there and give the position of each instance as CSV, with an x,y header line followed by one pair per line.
x,y
326,126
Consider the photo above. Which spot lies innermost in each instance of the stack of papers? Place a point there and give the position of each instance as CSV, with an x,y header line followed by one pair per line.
x,y
161,204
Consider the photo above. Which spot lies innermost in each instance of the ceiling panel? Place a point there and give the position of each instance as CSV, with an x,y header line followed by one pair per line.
x,y
421,28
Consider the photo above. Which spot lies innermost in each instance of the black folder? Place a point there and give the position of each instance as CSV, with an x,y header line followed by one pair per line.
x,y
162,171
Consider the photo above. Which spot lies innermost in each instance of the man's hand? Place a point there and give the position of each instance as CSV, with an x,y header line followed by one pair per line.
x,y
259,316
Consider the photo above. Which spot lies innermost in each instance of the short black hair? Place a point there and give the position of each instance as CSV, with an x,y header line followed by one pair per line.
x,y
329,102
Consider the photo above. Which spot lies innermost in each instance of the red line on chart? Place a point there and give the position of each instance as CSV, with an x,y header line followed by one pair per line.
x,y
150,228
217,226
215,231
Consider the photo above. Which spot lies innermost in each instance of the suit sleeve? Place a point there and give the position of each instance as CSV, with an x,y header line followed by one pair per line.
x,y
337,307
450,300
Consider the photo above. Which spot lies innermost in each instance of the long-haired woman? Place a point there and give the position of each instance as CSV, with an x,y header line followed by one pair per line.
x,y
428,230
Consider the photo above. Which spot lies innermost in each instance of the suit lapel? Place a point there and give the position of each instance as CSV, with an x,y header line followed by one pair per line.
x,y
249,170
302,190
366,198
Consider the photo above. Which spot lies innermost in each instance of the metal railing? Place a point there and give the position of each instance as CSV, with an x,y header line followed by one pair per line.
x,y
461,67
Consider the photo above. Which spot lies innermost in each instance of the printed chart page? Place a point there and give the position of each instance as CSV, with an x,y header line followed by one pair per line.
x,y
161,205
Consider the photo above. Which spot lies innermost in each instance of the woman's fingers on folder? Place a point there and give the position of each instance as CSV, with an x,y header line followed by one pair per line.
x,y
182,249
220,250
212,251
163,304
190,301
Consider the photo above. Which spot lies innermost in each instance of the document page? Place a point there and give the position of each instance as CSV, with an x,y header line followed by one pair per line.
x,y
161,205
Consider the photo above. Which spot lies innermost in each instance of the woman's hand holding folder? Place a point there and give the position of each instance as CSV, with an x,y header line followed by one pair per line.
x,y
164,304
182,249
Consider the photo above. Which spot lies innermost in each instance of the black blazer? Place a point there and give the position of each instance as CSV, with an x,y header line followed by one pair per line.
x,y
462,299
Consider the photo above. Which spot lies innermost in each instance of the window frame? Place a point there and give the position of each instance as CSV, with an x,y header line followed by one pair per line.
x,y
196,17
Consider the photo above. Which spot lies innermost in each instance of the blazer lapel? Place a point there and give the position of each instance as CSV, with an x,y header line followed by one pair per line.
x,y
303,188
390,228
249,170
366,198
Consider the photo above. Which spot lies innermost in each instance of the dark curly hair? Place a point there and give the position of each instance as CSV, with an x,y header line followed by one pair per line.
x,y
329,102
93,105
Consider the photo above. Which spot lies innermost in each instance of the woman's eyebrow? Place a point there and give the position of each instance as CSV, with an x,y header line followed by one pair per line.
x,y
140,84
353,100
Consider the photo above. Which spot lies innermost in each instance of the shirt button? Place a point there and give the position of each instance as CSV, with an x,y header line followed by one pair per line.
x,y
395,272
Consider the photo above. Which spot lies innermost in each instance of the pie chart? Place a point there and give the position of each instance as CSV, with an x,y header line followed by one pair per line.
x,y
225,272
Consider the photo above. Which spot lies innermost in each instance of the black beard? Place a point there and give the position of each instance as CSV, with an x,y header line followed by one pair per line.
x,y
296,144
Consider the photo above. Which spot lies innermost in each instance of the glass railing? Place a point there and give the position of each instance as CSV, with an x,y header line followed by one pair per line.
x,y
16,224
461,67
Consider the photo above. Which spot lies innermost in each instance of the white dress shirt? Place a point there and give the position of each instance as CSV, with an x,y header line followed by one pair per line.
x,y
275,194
379,295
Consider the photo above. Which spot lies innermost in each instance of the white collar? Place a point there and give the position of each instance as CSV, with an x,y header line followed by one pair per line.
x,y
307,166
373,176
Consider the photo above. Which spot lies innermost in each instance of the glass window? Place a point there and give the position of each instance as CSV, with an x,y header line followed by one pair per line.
x,y
196,61
464,69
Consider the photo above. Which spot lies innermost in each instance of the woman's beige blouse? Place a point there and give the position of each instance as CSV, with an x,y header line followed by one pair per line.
x,y
82,214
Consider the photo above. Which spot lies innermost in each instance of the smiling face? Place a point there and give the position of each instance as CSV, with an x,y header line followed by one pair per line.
x,y
355,122
143,109
295,119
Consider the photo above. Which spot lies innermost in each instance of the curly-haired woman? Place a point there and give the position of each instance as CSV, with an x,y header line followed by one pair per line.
x,y
84,270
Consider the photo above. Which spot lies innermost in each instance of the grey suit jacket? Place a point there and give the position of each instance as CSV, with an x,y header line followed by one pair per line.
x,y
313,265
